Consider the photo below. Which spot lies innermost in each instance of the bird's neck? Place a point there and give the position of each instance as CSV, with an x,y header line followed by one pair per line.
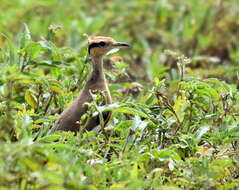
x,y
97,69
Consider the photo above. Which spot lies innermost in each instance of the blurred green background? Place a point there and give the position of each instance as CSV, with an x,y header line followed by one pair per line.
x,y
175,94
195,28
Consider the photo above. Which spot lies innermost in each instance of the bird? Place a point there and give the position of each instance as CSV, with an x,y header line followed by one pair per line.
x,y
69,119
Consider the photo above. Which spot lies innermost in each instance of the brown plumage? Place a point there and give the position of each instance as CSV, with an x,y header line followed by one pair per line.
x,y
69,119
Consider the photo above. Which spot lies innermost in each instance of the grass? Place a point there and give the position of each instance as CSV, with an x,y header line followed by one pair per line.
x,y
175,95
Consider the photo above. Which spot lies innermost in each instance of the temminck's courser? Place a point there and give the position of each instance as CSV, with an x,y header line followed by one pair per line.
x,y
98,47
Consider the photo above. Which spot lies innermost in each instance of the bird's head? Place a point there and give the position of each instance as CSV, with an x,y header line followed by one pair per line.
x,y
100,46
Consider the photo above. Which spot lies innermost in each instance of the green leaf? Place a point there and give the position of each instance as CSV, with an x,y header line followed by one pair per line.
x,y
59,146
138,124
49,138
26,37
121,108
131,111
33,50
149,99
31,99
201,131
56,87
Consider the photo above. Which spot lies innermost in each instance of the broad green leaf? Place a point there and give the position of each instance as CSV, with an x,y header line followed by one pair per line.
x,y
180,105
131,111
32,165
31,99
166,154
201,131
56,89
121,108
138,124
49,138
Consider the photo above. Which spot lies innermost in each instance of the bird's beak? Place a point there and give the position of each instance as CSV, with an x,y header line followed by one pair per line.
x,y
121,45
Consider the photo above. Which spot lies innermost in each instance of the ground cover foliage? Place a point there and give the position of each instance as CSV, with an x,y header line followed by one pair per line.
x,y
175,95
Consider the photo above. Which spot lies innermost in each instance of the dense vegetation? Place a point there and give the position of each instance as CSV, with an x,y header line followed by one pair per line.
x,y
175,122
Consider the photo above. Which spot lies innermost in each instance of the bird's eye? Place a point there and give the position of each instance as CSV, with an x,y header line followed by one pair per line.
x,y
102,44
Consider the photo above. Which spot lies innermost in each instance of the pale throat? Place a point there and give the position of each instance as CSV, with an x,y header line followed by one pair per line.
x,y
97,68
